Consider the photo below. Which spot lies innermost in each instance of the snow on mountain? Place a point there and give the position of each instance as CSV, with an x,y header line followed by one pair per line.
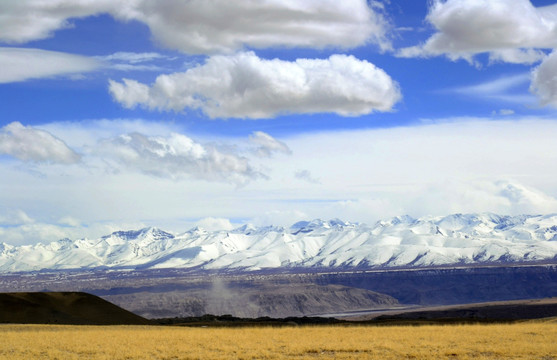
x,y
397,242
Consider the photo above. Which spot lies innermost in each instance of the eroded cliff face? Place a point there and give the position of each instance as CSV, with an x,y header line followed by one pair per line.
x,y
254,300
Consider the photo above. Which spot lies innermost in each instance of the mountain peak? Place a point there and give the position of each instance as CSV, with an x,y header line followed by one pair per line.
x,y
400,241
245,229
318,223
153,232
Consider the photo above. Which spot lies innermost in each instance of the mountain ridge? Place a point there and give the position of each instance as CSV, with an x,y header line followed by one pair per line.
x,y
455,239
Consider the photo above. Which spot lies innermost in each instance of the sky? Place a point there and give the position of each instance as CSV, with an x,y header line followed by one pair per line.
x,y
119,115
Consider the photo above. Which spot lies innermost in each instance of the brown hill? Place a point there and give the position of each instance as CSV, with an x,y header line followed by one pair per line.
x,y
76,308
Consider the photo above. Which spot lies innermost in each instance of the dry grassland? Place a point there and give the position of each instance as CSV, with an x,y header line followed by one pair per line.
x,y
532,340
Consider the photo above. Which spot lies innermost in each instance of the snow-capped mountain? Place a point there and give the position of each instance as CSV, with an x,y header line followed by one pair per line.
x,y
398,242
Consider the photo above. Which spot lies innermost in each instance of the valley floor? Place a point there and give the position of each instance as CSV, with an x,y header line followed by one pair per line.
x,y
527,340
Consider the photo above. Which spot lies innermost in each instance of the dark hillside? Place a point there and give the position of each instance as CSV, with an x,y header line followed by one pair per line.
x,y
75,308
499,311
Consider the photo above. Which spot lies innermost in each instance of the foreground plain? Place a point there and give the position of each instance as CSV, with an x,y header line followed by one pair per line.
x,y
528,340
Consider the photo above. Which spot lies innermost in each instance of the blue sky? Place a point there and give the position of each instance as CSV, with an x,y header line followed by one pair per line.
x,y
118,115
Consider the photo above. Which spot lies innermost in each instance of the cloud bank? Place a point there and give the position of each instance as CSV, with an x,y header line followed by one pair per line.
x,y
246,86
172,181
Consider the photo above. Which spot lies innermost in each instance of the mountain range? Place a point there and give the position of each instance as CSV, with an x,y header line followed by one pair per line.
x,y
459,239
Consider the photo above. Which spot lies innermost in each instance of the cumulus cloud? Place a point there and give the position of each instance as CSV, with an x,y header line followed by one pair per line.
x,y
27,20
510,31
246,86
544,81
19,64
516,56
85,134
202,27
268,145
177,156
215,224
30,144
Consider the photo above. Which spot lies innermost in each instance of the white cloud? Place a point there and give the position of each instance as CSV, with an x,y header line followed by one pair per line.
x,y
508,88
69,221
131,57
85,135
509,30
497,86
130,61
245,86
215,224
30,144
177,156
201,27
438,168
14,217
544,81
31,234
27,20
507,197
505,112
306,176
268,145
130,93
526,200
40,232
279,217
516,56
20,64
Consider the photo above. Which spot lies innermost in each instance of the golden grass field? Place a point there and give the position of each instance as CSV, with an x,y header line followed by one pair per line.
x,y
529,340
